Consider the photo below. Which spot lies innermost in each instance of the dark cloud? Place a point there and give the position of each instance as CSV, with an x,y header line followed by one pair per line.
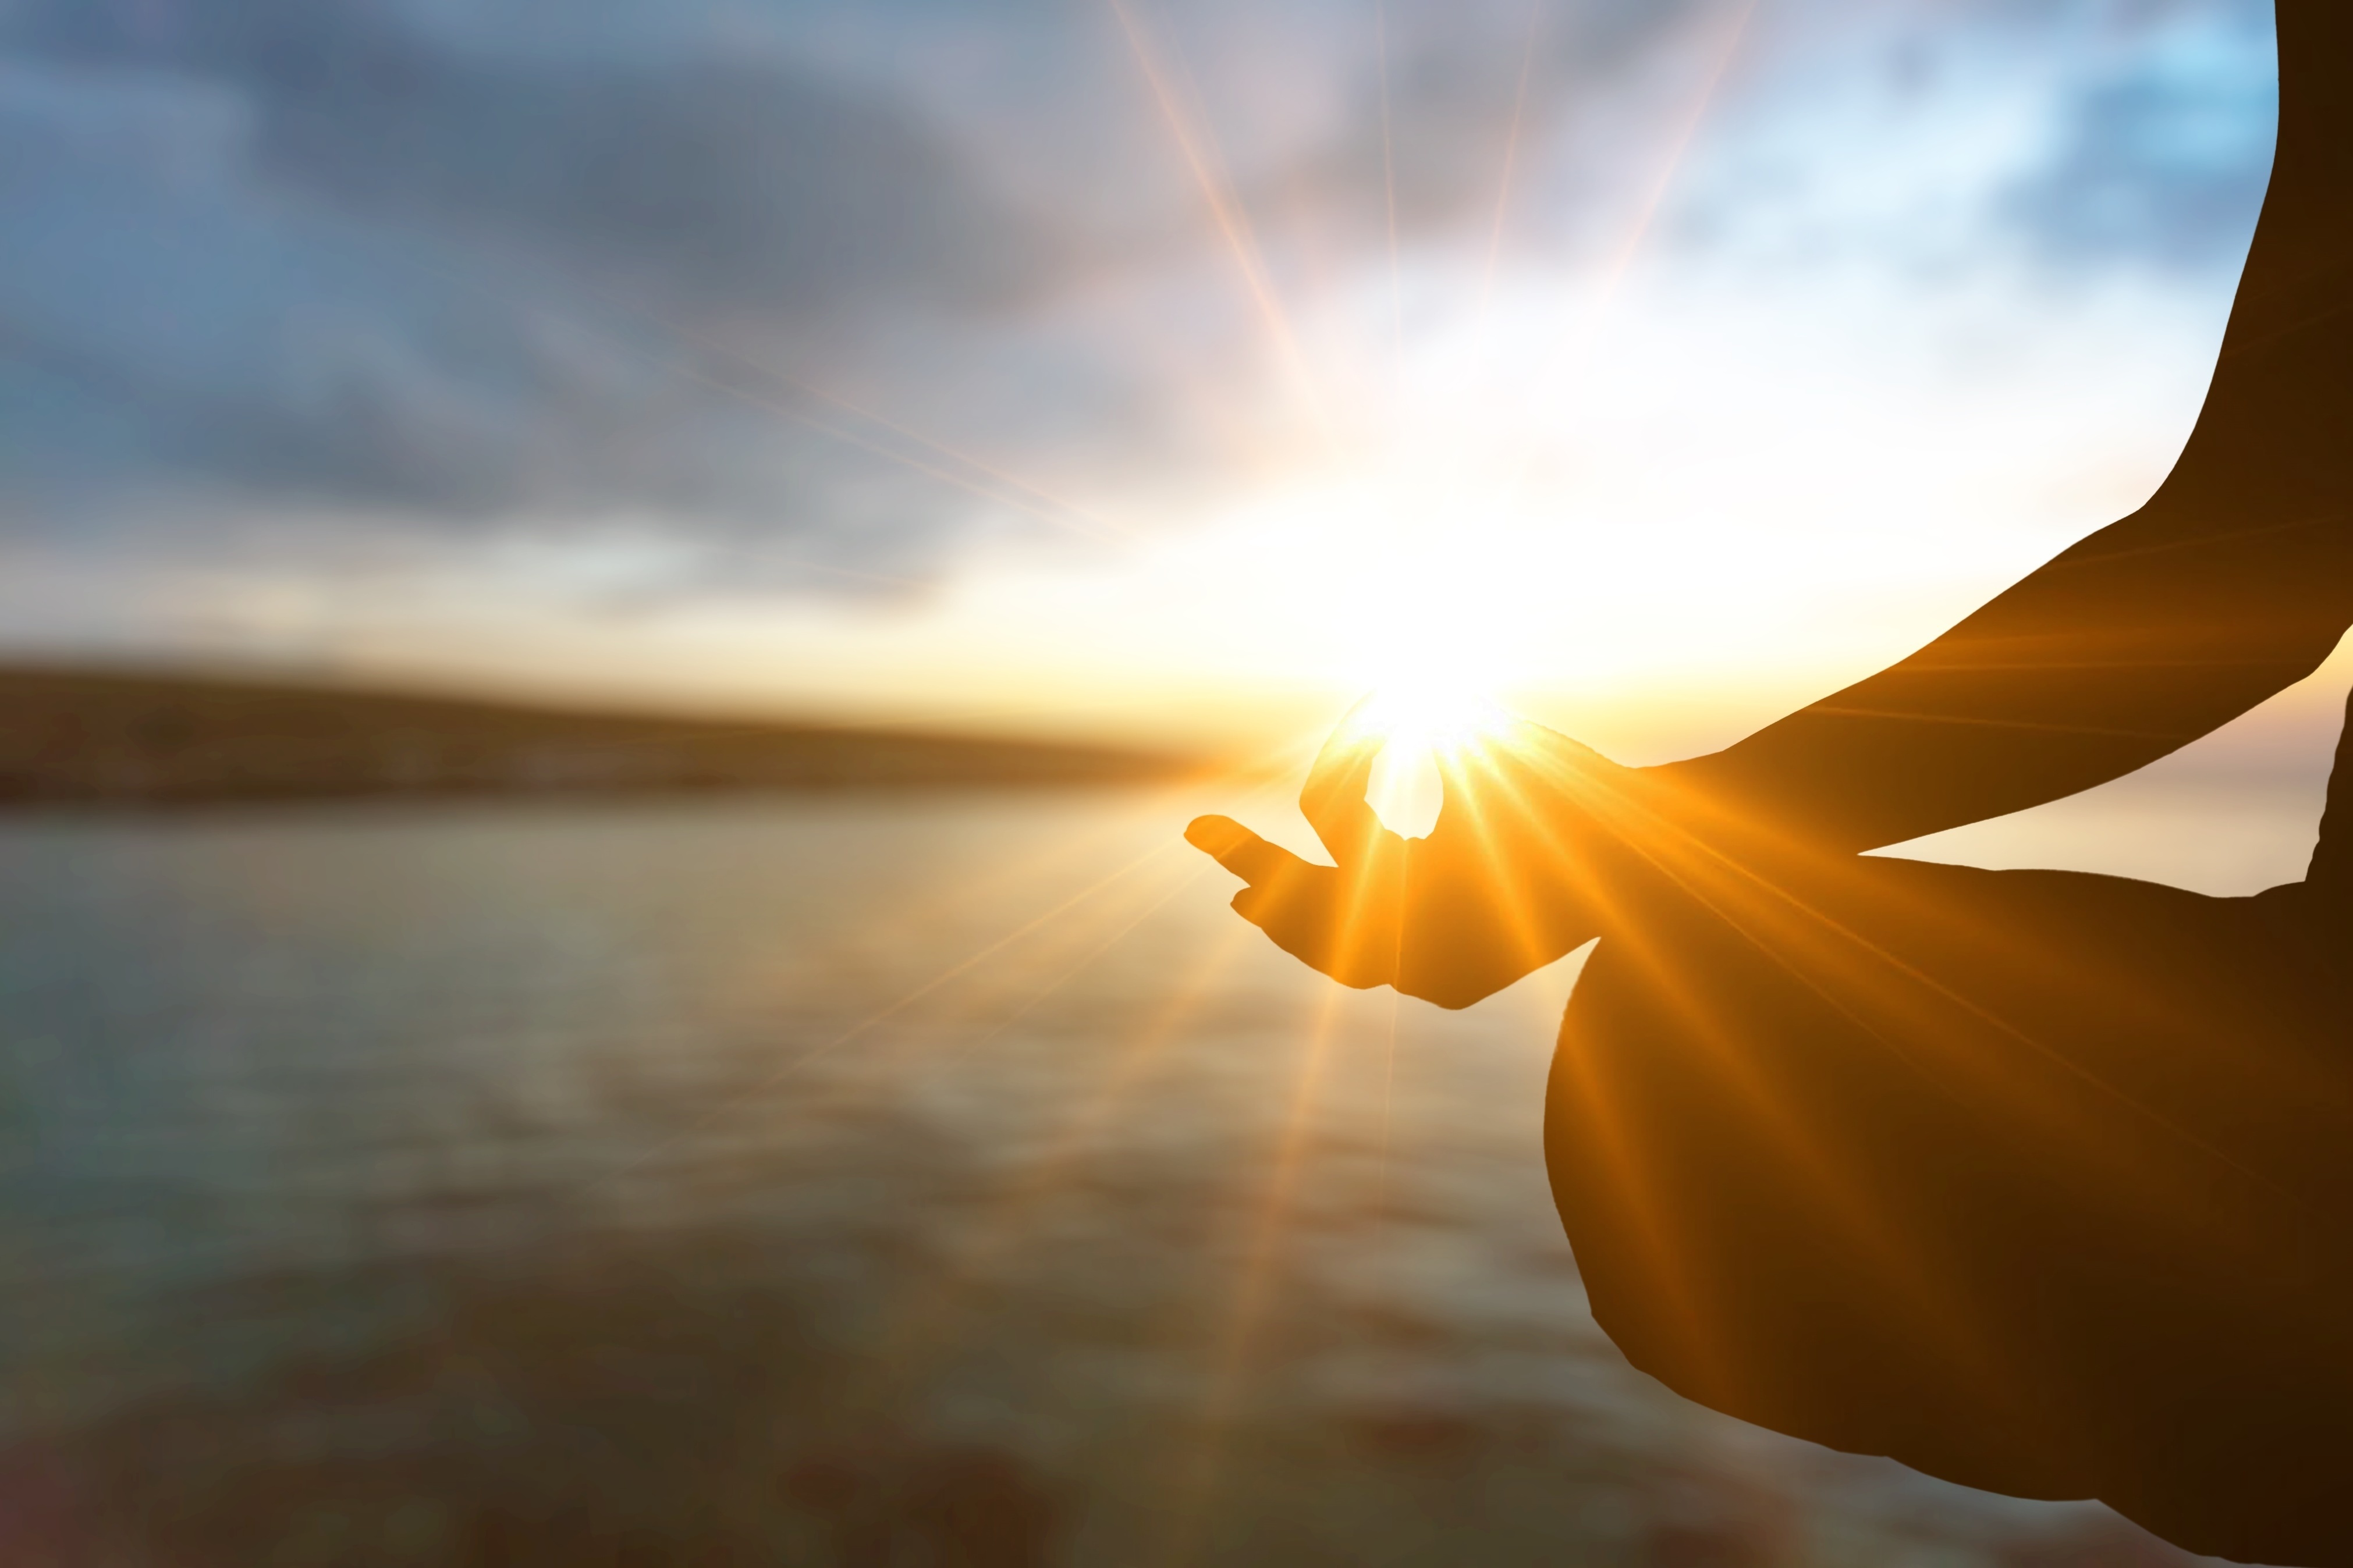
x,y
337,259
158,336
306,255
742,183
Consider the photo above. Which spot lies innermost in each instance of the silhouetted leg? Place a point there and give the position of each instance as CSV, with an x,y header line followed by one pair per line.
x,y
2037,1181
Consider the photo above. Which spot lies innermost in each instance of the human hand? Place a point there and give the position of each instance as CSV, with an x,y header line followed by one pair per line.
x,y
1505,883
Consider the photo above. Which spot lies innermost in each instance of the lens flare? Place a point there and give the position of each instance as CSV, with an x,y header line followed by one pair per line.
x,y
1424,724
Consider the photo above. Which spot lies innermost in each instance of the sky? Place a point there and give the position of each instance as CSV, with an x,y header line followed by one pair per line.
x,y
1165,373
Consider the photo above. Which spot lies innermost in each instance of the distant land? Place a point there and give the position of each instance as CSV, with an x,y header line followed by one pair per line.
x,y
71,735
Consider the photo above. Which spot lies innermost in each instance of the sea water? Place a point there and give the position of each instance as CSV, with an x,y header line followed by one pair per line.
x,y
935,1178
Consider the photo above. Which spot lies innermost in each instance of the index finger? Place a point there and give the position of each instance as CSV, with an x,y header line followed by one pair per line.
x,y
1333,797
1240,851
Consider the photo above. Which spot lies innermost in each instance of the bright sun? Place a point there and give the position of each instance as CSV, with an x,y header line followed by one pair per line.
x,y
1424,720
1429,632
1429,715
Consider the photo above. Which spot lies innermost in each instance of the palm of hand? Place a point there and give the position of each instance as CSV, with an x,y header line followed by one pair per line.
x,y
1500,886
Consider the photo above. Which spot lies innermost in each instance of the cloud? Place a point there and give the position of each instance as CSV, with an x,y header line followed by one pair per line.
x,y
2163,156
301,256
737,181
1469,90
319,273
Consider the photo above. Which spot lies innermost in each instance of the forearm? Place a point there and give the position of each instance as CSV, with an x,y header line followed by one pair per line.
x,y
2233,582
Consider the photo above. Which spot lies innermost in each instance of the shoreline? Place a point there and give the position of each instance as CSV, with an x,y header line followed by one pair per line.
x,y
113,740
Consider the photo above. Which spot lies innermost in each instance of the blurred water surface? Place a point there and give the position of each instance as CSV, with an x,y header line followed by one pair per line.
x,y
831,1180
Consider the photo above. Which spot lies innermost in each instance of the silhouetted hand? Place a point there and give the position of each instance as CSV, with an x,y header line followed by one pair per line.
x,y
1506,882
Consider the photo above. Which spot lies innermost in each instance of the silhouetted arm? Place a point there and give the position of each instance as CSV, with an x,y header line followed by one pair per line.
x,y
2234,582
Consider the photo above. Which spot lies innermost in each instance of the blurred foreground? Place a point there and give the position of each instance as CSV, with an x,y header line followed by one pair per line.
x,y
831,1180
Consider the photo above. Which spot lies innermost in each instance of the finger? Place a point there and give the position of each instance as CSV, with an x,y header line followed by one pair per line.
x,y
1488,783
1310,918
1545,761
1532,745
1352,745
1242,852
1333,799
1519,779
1471,770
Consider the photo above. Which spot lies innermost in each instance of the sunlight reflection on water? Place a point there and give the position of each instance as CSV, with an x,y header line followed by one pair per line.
x,y
951,1148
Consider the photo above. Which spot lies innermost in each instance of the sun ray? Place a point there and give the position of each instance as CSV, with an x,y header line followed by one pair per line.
x,y
927,1323
1388,189
989,995
1195,1474
956,454
684,334
946,476
1032,996
1845,1200
1850,972
995,884
1621,262
1198,1478
1511,158
1685,134
1389,1109
1226,210
1718,879
1042,501
803,1060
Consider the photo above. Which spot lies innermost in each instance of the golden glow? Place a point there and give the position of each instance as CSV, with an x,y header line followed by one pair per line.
x,y
1433,716
1425,724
